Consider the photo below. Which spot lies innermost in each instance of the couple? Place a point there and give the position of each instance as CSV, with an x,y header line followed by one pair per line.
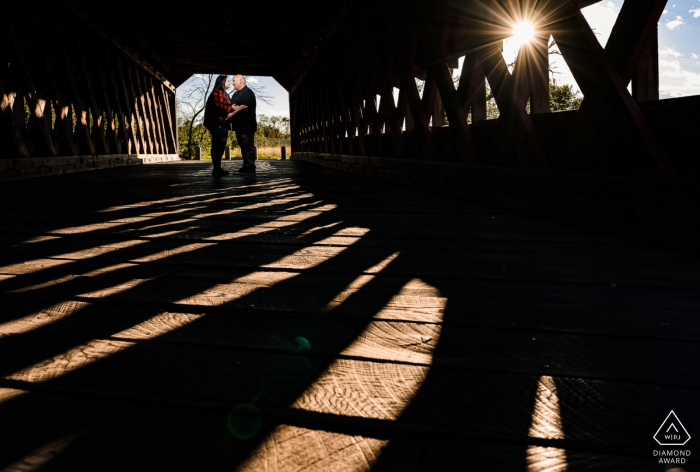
x,y
236,113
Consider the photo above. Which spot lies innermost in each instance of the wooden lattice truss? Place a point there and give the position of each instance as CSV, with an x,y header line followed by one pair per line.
x,y
84,95
337,100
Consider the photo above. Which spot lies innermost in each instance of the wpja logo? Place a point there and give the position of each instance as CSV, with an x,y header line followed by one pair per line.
x,y
672,433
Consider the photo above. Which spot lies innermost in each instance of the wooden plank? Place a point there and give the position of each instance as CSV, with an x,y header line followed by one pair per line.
x,y
50,315
367,390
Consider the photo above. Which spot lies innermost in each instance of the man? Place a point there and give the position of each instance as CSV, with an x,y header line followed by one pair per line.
x,y
244,123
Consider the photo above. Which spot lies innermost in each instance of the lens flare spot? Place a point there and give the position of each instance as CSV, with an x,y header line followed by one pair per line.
x,y
244,421
303,344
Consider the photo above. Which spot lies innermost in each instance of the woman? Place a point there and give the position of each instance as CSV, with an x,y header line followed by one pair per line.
x,y
217,110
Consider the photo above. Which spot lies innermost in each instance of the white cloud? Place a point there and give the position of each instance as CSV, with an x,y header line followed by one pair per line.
x,y
677,82
601,19
252,80
665,11
696,12
694,56
669,51
199,76
675,23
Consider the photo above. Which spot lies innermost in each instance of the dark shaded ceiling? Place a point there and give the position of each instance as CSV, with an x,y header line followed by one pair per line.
x,y
179,38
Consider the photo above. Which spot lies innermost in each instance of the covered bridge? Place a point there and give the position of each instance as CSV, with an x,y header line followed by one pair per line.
x,y
418,288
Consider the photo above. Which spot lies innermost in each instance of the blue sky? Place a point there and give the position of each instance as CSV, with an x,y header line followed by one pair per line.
x,y
679,52
679,45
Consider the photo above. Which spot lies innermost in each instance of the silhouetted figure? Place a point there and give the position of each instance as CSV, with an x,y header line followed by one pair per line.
x,y
217,110
245,124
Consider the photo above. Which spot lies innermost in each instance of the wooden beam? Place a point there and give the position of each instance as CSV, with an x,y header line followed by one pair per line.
x,y
610,108
321,43
129,54
129,99
169,120
519,134
645,81
461,134
41,135
9,126
471,92
63,128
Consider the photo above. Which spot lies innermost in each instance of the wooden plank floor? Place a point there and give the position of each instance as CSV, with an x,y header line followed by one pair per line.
x,y
156,318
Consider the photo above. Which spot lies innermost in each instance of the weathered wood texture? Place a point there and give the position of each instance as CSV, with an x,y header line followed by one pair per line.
x,y
80,89
137,321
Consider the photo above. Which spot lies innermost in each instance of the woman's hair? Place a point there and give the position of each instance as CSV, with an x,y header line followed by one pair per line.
x,y
221,83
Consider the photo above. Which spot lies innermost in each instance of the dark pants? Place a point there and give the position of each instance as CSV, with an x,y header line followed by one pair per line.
x,y
247,143
219,136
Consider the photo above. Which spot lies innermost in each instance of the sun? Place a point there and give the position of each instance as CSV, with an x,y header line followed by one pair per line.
x,y
523,32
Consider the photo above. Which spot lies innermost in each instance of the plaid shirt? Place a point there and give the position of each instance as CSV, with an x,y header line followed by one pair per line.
x,y
222,104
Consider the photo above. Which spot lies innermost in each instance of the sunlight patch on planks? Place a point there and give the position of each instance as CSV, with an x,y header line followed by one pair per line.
x,y
266,227
156,202
36,265
68,278
70,360
38,458
41,318
292,449
119,288
39,239
345,388
312,230
546,423
257,206
173,252
346,391
221,294
359,282
7,394
334,251
198,196
159,325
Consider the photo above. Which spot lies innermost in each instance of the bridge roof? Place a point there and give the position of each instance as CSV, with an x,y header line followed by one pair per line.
x,y
262,37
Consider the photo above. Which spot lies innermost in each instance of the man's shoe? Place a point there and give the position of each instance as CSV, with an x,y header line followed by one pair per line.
x,y
247,170
220,171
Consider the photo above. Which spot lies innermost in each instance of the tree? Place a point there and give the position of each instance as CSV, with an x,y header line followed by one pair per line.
x,y
191,105
563,97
